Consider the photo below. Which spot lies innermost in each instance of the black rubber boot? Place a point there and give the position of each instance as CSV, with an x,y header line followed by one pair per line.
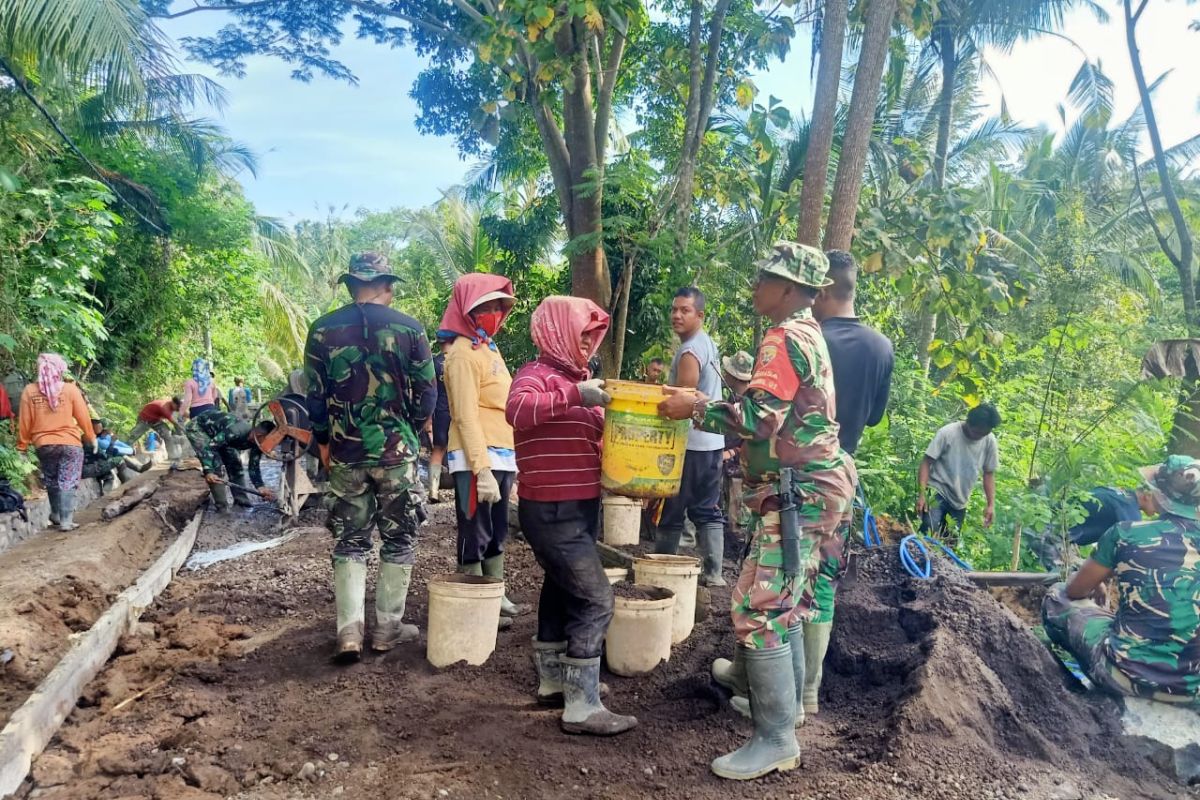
x,y
53,498
583,712
711,539
549,670
666,542
773,744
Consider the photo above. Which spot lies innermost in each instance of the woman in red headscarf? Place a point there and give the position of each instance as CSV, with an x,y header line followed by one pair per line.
x,y
555,410
480,453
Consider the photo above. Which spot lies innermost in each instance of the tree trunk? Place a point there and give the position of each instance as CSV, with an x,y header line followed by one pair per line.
x,y
621,319
1185,428
947,49
820,130
860,123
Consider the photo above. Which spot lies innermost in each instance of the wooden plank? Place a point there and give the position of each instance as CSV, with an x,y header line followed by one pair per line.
x,y
32,725
128,500
1013,578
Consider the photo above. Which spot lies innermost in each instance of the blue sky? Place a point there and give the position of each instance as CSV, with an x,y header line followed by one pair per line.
x,y
329,145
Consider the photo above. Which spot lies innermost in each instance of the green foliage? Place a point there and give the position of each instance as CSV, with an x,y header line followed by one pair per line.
x,y
14,465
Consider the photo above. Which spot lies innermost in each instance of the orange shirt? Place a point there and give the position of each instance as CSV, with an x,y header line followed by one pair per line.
x,y
40,425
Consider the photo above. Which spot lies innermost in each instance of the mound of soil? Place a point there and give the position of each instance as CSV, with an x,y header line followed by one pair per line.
x,y
634,591
932,690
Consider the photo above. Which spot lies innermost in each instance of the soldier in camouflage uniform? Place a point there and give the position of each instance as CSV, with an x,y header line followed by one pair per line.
x,y
787,419
370,389
218,438
1150,647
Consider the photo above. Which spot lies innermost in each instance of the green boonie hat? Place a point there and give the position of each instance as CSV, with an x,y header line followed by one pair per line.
x,y
1175,484
740,365
798,263
367,267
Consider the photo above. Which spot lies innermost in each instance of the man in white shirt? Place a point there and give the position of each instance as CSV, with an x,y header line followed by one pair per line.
x,y
953,462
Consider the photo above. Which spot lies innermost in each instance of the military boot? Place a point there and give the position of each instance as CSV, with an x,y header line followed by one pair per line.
x,y
797,639
494,568
712,551
583,712
666,542
773,744
66,510
476,568
391,596
816,645
349,591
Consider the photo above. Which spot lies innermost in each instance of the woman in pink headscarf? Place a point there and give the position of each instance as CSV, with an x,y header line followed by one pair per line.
x,y
555,410
54,418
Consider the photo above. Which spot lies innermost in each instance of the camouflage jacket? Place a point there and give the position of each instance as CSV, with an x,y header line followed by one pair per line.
x,y
370,384
214,431
787,416
1155,638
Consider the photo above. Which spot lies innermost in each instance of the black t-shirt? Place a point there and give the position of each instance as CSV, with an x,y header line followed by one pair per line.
x,y
862,361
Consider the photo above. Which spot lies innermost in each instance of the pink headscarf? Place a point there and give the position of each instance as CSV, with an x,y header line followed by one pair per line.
x,y
51,368
470,291
557,325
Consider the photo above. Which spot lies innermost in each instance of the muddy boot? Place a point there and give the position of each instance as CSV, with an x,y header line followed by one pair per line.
x,y
477,569
435,482
732,674
799,670
816,644
549,670
391,595
66,510
349,592
583,712
773,744
52,498
712,552
494,568
220,496
687,539
137,465
666,542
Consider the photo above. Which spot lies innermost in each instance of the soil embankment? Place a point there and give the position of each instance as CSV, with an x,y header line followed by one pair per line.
x,y
933,690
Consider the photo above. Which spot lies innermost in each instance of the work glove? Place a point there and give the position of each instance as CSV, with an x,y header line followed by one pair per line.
x,y
486,488
592,393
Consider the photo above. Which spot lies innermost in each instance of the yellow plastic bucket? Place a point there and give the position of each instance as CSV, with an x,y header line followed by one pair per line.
x,y
643,452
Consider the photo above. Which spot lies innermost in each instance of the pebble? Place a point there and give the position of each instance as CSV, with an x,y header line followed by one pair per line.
x,y
338,791
583,770
307,772
443,793
332,756
178,761
648,772
1066,791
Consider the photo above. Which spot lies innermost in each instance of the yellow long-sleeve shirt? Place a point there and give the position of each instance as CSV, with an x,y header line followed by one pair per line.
x,y
41,425
477,384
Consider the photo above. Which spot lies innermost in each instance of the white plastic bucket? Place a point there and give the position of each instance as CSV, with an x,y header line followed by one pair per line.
x,y
616,574
464,613
622,521
639,635
680,575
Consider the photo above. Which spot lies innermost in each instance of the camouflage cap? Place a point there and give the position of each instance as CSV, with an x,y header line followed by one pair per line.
x,y
1175,484
740,365
798,263
368,266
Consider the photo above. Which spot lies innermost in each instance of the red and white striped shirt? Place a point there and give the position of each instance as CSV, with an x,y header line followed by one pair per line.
x,y
556,438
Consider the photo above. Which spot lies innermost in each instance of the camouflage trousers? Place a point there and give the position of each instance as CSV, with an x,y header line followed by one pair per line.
x,y
361,498
835,551
1082,629
765,603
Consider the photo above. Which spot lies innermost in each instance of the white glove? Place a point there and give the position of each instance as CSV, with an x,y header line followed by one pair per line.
x,y
592,393
486,488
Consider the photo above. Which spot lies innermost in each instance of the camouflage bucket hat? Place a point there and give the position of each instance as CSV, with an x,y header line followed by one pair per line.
x,y
798,263
367,267
1176,485
740,365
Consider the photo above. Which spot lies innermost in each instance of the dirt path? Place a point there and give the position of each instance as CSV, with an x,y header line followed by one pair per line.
x,y
932,691
56,584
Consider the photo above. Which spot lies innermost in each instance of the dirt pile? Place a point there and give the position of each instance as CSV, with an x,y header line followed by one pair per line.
x,y
959,686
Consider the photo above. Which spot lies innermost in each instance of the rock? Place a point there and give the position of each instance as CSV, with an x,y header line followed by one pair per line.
x,y
332,756
210,778
308,772
583,770
52,770
338,791
1168,735
1066,791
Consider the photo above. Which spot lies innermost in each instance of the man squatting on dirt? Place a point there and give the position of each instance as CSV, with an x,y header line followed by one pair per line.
x,y
370,389
1150,647
787,418
558,426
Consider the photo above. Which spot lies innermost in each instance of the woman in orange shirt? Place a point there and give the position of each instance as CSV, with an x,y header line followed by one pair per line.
x,y
54,418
